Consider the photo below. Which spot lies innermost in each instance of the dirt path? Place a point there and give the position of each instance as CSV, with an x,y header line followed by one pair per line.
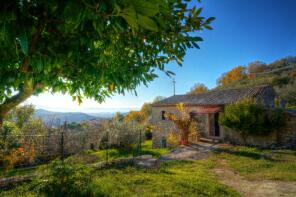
x,y
257,188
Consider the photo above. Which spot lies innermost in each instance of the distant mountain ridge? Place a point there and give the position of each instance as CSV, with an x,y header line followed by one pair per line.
x,y
58,118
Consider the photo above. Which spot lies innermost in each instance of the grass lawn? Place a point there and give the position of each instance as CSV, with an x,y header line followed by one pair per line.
x,y
255,164
172,179
178,178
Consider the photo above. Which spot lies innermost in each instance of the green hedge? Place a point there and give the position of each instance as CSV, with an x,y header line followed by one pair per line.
x,y
252,119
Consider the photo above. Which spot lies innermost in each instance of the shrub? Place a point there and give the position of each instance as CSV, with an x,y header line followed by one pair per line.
x,y
148,132
10,144
65,179
252,119
173,139
121,134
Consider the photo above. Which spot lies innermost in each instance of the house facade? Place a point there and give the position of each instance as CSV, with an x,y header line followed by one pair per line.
x,y
206,108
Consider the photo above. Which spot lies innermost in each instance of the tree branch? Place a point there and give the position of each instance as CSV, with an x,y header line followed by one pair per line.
x,y
25,92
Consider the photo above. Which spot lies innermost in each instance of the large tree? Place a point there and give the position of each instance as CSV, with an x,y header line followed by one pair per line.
x,y
90,48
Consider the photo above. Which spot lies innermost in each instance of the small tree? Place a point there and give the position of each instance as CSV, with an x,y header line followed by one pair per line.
x,y
122,134
183,122
18,137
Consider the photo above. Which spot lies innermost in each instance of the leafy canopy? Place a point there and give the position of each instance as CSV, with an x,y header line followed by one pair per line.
x,y
198,88
91,48
236,74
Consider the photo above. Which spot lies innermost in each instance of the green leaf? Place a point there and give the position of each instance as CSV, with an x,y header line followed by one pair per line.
x,y
161,22
147,23
197,39
130,16
146,8
209,20
208,27
23,41
197,13
179,61
195,45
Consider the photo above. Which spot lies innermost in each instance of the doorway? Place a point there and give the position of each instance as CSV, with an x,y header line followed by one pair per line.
x,y
217,128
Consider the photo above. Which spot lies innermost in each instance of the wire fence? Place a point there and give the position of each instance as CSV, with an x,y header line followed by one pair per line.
x,y
29,150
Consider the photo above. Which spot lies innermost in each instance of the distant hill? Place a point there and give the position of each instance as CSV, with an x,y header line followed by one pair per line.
x,y
103,114
57,118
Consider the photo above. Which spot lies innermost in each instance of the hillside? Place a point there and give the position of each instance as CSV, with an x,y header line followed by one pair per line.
x,y
280,74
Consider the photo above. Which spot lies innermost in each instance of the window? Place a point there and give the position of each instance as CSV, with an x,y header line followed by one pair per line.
x,y
162,115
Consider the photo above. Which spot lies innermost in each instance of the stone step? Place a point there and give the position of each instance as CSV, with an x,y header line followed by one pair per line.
x,y
209,140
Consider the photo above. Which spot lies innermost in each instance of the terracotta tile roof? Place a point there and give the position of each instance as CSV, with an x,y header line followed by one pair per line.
x,y
218,97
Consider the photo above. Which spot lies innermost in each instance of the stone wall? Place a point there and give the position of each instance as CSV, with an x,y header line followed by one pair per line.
x,y
285,137
161,127
232,136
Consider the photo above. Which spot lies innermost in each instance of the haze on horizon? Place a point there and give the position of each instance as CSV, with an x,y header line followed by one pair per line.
x,y
244,31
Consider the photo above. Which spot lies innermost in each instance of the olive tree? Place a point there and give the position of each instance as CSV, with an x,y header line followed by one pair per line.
x,y
90,48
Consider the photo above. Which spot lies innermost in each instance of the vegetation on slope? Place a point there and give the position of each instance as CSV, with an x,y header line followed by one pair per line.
x,y
280,74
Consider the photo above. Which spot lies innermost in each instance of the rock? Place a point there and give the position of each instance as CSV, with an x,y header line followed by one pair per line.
x,y
266,156
273,146
146,161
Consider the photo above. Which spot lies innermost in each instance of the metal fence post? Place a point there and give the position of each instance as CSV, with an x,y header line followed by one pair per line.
x,y
107,147
43,145
140,144
63,142
62,146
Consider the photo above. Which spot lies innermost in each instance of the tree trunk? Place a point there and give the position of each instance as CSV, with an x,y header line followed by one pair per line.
x,y
25,92
184,138
1,121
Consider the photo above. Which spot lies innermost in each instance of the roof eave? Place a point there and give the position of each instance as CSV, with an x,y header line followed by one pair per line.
x,y
187,104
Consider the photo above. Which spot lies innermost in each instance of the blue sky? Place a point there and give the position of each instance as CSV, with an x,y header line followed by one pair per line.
x,y
244,31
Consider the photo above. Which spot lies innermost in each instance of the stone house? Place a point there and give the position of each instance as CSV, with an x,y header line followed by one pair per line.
x,y
205,108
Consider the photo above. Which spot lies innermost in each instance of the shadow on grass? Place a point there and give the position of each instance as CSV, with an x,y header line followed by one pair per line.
x,y
116,153
244,153
149,152
291,152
